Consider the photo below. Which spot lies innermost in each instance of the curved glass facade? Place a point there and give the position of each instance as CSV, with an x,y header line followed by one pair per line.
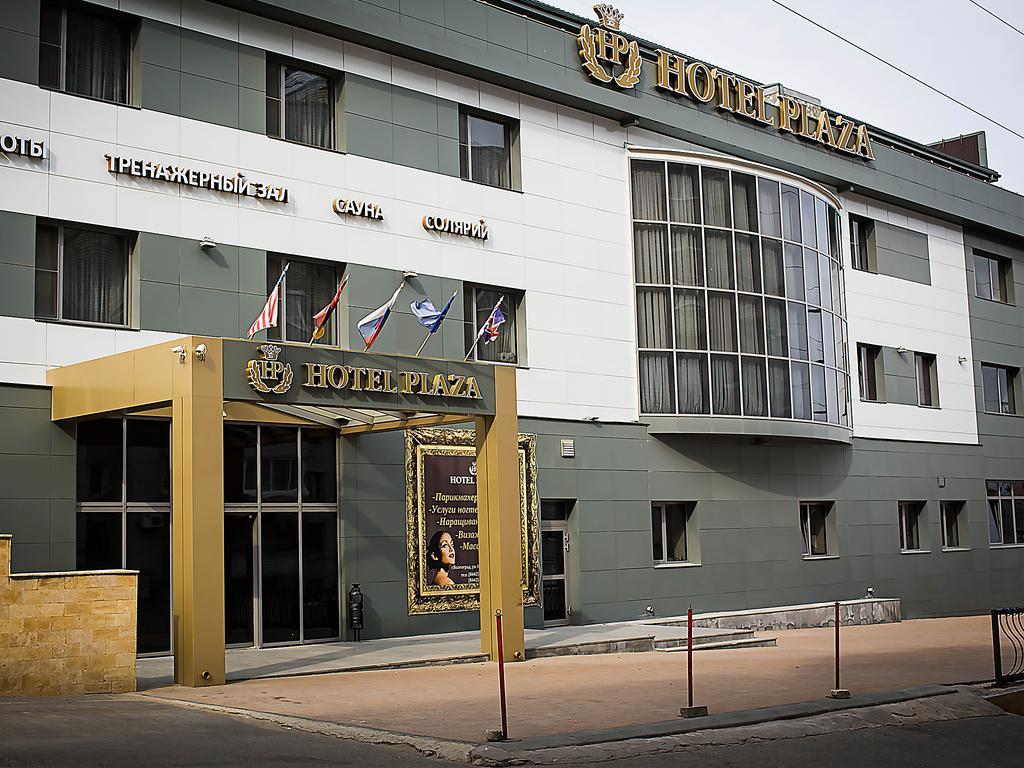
x,y
740,302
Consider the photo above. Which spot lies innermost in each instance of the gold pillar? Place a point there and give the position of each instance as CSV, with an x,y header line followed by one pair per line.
x,y
197,426
500,530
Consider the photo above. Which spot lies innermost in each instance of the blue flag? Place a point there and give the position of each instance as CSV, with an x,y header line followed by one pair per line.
x,y
431,317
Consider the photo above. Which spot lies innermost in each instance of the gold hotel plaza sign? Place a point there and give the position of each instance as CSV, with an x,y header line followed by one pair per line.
x,y
609,57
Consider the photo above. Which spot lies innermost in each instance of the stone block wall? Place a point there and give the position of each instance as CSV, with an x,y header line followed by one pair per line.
x,y
67,633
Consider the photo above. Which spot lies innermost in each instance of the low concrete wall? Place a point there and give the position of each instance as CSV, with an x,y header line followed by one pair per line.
x,y
66,633
876,610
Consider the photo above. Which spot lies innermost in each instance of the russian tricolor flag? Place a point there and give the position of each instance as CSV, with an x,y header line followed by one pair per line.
x,y
371,325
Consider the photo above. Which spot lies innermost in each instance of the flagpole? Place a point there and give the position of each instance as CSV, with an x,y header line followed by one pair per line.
x,y
276,286
405,278
431,333
482,327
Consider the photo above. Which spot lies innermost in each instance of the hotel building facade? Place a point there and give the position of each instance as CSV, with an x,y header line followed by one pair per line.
x,y
765,355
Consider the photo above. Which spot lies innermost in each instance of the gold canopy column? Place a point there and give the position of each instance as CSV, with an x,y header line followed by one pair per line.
x,y
197,426
499,525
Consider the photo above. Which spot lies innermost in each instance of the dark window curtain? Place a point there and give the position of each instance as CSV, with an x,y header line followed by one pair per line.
x,y
95,267
684,193
751,316
755,393
775,324
692,373
653,323
716,197
691,320
725,384
983,276
308,108
778,386
722,321
718,249
656,386
687,256
744,202
748,263
648,190
774,270
505,348
96,57
47,249
490,156
308,288
769,207
650,253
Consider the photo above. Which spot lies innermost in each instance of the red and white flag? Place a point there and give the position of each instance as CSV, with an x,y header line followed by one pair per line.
x,y
268,317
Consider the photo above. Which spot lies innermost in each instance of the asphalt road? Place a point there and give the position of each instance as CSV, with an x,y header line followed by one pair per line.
x,y
123,731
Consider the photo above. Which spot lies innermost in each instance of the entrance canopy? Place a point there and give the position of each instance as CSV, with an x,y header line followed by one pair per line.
x,y
200,382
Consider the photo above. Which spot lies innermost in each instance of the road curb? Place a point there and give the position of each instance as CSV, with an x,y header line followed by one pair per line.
x,y
517,752
427,745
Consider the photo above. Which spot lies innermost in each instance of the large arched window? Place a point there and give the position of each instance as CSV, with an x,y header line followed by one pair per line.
x,y
740,303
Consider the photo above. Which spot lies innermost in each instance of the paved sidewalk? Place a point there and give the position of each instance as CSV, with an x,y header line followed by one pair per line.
x,y
427,650
577,693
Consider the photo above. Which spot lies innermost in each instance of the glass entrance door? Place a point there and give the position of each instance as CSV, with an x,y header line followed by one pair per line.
x,y
239,578
553,540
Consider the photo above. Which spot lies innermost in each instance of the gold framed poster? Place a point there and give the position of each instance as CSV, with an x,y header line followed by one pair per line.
x,y
441,520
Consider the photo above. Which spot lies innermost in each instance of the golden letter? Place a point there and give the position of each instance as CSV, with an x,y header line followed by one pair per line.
x,y
671,72
439,386
315,375
789,110
864,143
825,134
472,388
746,92
725,83
845,131
337,376
704,88
389,383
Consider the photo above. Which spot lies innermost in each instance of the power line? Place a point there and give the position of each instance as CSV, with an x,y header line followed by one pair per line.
x,y
997,18
901,71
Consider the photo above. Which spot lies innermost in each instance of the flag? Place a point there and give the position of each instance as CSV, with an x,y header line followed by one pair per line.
x,y
429,316
320,318
371,325
494,322
268,317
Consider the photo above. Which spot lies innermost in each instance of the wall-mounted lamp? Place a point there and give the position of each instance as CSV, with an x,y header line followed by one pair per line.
x,y
961,359
902,350
630,122
201,353
180,352
207,242
409,274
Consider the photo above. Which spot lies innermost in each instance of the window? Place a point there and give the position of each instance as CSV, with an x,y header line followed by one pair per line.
x,y
991,277
951,524
998,384
736,276
81,274
911,517
1005,511
669,523
480,302
84,51
862,244
123,513
307,288
869,369
815,525
927,383
485,150
300,104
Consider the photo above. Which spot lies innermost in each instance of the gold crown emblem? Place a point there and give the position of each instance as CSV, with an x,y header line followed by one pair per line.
x,y
608,15
269,351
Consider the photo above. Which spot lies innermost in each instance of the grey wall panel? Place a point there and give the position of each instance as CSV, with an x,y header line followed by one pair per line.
x,y
19,54
17,264
209,57
37,481
902,253
160,88
211,101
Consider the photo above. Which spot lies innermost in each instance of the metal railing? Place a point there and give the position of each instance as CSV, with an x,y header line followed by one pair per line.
x,y
1008,623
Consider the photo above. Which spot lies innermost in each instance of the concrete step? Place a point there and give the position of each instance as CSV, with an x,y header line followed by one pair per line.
x,y
704,637
745,642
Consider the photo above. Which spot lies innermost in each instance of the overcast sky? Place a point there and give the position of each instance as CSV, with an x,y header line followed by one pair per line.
x,y
950,44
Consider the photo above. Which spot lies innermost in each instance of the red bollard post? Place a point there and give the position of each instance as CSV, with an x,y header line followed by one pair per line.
x,y
690,710
501,677
837,692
